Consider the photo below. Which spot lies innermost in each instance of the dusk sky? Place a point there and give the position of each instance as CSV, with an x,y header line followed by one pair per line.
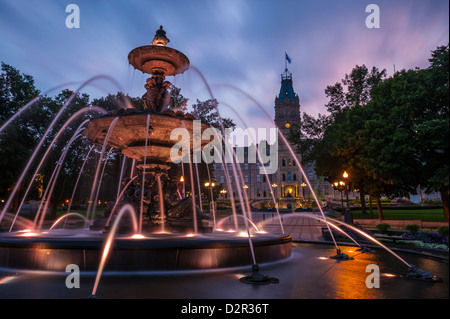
x,y
239,43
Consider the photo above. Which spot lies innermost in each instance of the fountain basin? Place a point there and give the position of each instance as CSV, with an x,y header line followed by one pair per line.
x,y
155,252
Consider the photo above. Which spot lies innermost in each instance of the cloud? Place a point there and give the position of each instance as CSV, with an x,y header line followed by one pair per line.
x,y
235,42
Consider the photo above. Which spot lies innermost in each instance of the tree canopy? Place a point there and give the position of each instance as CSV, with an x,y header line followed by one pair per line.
x,y
391,135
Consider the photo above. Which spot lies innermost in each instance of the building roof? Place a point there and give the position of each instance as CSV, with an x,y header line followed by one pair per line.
x,y
286,90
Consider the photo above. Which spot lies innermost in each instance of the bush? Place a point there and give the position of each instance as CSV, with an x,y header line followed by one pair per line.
x,y
412,228
383,228
428,238
443,230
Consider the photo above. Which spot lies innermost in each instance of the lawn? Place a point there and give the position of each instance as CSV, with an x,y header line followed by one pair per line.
x,y
426,215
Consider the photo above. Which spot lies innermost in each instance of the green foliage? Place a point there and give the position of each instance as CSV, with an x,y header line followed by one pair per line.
x,y
177,100
383,228
390,135
413,228
443,230
207,112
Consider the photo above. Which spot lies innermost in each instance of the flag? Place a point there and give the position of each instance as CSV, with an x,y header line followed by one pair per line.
x,y
288,58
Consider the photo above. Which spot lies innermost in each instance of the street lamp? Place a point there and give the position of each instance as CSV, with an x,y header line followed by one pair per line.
x,y
345,175
348,217
210,185
303,185
183,187
340,187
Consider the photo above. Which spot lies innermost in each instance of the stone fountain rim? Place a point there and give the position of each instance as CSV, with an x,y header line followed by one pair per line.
x,y
125,242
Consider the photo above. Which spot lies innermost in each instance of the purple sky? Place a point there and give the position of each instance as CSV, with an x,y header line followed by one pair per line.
x,y
234,42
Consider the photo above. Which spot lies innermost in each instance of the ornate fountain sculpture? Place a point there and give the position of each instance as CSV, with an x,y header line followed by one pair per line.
x,y
159,61
150,145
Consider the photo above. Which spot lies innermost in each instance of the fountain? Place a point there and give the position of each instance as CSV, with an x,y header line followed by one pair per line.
x,y
157,230
171,233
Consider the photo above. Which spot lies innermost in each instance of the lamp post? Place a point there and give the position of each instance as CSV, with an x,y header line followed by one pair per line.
x,y
303,185
348,217
345,175
211,185
182,186
340,187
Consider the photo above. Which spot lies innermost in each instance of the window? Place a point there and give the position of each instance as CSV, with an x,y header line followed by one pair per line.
x,y
230,167
289,176
295,177
283,162
214,166
258,178
246,178
284,177
246,166
222,179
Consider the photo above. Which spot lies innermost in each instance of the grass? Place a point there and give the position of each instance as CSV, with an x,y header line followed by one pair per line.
x,y
426,215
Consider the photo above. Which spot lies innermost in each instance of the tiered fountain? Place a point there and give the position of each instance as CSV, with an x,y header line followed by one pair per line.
x,y
177,238
175,234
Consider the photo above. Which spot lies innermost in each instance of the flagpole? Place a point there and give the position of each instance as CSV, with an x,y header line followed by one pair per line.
x,y
285,61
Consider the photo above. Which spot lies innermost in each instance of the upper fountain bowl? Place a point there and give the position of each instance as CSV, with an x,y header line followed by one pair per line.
x,y
156,59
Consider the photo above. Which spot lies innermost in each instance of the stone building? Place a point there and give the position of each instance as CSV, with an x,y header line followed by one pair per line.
x,y
287,183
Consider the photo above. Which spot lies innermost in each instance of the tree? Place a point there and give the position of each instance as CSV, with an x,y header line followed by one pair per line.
x,y
177,100
358,83
19,137
330,141
117,101
207,112
406,131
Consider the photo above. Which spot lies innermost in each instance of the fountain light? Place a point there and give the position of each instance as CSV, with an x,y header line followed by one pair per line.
x,y
6,279
28,234
138,236
243,234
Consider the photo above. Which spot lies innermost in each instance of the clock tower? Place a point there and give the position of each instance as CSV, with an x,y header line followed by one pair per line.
x,y
289,189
